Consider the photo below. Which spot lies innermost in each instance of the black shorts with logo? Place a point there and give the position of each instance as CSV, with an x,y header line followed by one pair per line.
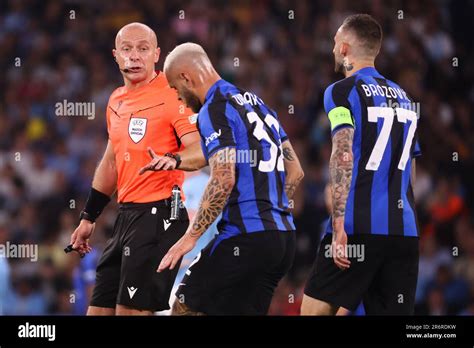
x,y
239,275
126,273
383,274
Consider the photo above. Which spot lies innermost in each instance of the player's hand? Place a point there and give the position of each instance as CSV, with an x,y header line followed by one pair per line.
x,y
339,248
181,247
158,162
80,237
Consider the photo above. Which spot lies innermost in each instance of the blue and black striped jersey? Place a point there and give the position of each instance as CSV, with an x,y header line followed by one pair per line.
x,y
385,121
231,117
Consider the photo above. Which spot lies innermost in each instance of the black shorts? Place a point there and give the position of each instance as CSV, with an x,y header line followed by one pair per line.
x,y
239,276
383,275
126,273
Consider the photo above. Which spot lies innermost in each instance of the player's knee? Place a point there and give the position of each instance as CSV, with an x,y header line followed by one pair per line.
x,y
124,310
180,308
93,310
312,306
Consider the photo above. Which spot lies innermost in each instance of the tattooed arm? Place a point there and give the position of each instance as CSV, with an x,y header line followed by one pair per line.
x,y
340,167
212,203
294,172
217,191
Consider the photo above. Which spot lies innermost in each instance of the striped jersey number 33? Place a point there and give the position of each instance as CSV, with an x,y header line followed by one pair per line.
x,y
388,114
261,134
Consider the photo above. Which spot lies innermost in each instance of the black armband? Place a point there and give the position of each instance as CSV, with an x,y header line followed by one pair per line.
x,y
95,204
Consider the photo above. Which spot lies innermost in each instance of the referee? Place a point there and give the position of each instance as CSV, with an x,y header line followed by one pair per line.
x,y
143,117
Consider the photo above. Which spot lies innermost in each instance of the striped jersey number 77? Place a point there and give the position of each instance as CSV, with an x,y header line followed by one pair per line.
x,y
388,114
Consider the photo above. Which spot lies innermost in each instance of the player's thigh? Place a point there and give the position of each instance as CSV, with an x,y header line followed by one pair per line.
x,y
313,306
274,258
124,310
344,288
93,310
393,289
217,282
179,309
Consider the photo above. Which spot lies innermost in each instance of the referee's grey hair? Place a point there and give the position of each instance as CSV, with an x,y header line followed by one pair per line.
x,y
188,52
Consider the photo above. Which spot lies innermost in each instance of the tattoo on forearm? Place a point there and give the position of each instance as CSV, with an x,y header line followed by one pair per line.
x,y
288,154
340,166
291,183
217,191
290,188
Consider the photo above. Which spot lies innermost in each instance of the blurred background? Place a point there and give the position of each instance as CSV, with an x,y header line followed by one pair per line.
x,y
281,50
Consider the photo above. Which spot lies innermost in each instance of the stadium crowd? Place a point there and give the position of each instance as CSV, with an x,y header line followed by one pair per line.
x,y
61,51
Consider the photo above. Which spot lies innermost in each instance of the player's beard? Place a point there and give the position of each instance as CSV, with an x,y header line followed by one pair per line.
x,y
191,100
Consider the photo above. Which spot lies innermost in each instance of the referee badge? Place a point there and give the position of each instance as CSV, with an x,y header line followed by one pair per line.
x,y
193,118
137,128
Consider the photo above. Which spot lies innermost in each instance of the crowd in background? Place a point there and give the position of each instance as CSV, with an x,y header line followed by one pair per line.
x,y
282,50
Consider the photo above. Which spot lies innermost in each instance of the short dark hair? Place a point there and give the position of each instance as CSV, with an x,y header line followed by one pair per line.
x,y
367,29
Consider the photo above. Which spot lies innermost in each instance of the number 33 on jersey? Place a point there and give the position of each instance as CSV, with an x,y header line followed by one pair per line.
x,y
231,117
385,123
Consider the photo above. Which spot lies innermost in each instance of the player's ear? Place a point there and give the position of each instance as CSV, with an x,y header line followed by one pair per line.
x,y
114,54
157,54
344,49
187,79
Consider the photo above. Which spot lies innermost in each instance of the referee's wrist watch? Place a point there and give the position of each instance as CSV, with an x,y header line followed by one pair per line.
x,y
176,157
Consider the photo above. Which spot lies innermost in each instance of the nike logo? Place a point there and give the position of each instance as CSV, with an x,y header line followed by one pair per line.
x,y
131,291
166,224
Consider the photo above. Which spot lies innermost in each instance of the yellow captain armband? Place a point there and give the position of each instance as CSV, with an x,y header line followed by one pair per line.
x,y
339,116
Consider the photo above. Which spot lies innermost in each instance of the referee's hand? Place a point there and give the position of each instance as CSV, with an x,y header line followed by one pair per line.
x,y
158,162
339,248
184,245
80,237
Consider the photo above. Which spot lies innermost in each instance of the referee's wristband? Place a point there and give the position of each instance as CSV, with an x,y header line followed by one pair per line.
x,y
96,202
